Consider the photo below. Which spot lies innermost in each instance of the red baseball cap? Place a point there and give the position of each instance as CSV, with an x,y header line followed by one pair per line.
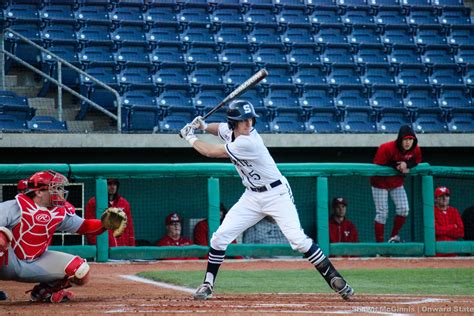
x,y
338,200
173,218
442,191
408,137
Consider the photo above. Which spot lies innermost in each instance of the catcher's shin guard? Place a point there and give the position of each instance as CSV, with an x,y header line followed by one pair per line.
x,y
54,292
334,279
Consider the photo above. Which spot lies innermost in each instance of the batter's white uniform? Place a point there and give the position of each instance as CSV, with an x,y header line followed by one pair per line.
x,y
267,193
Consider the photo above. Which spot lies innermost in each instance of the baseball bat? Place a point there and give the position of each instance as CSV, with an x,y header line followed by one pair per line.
x,y
249,83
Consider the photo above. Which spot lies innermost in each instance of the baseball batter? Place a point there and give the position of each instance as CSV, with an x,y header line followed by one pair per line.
x,y
267,193
27,225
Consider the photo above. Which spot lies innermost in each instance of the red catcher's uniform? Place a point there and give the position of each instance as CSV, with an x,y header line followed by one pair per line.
x,y
168,241
343,232
389,154
448,224
33,234
128,236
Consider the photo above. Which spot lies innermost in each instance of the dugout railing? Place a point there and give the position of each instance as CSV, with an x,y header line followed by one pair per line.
x,y
214,172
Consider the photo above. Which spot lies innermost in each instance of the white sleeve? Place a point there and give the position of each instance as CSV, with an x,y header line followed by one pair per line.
x,y
70,224
222,131
10,214
243,148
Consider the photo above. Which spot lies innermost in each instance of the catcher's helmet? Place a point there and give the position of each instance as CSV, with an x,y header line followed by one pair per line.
x,y
240,110
22,185
52,181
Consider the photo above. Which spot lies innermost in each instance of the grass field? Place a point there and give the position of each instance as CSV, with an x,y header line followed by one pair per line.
x,y
421,281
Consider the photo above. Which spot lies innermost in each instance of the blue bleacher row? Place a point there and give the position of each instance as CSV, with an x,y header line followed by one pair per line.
x,y
377,63
17,116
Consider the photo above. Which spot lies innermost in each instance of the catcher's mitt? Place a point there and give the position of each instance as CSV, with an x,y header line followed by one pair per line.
x,y
115,219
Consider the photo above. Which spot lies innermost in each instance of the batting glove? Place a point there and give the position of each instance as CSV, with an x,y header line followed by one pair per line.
x,y
187,132
199,123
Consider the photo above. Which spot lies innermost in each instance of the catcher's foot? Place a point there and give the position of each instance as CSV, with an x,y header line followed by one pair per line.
x,y
203,292
342,288
61,296
45,293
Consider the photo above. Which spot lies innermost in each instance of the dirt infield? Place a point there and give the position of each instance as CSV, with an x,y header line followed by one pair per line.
x,y
108,293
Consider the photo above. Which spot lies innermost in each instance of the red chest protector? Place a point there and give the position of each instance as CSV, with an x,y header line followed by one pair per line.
x,y
32,235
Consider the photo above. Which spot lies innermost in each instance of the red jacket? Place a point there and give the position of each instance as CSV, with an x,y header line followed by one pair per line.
x,y
168,241
448,224
201,230
343,232
392,152
128,236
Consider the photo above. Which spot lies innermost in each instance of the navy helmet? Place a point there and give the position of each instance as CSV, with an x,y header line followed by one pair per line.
x,y
240,110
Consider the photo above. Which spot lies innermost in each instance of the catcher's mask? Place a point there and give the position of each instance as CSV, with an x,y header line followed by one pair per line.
x,y
240,110
52,181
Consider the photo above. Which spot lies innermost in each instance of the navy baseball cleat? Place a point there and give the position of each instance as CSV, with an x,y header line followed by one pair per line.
x,y
347,292
3,296
203,292
341,287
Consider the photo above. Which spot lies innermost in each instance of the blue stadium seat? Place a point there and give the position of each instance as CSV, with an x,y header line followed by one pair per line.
x,y
201,55
371,54
323,121
237,74
261,15
359,121
443,75
167,53
430,35
412,75
174,120
205,76
206,99
378,4
97,55
58,33
139,97
256,98
404,54
16,106
219,116
193,15
281,98
135,76
231,35
390,121
351,97
9,123
58,13
19,48
364,34
312,4
469,77
438,55
449,3
465,55
377,74
128,35
127,14
455,16
264,35
96,13
430,122
170,75
386,97
160,14
288,121
461,35
397,34
389,15
18,12
132,55
420,98
144,118
357,15
308,75
197,34
278,76
235,55
293,16
319,97
94,35
343,75
270,56
422,16
304,55
415,3
175,99
163,34
46,124
351,3
455,98
263,121
297,35
226,14
461,122
103,73
337,54
325,15
330,34
65,51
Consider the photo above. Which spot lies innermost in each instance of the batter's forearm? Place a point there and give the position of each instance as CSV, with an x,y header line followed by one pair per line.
x,y
213,128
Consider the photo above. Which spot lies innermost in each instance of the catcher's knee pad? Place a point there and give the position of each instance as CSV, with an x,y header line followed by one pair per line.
x,y
78,271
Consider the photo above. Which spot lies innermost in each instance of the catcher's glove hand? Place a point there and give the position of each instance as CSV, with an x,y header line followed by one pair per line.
x,y
115,219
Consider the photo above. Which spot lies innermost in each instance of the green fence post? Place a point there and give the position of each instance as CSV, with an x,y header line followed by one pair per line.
x,y
214,198
322,215
428,215
101,204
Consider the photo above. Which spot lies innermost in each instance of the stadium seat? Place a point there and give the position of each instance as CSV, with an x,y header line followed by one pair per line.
x,y
343,75
455,98
448,3
357,15
465,55
160,14
206,99
288,121
260,15
378,4
21,12
46,124
175,99
386,98
174,120
144,118
235,55
58,33
351,97
337,54
128,35
351,3
16,106
97,55
371,54
320,97
135,76
389,15
256,98
323,121
438,55
270,56
193,15
197,34
422,16
163,34
96,13
304,55
139,97
377,74
330,34
359,121
132,55
167,53
231,35
263,121
90,35
430,35
397,34
205,76
201,55
443,75
430,122
455,16
126,14
325,15
469,77
169,75
264,35
226,14
415,3
461,35
390,121
58,13
19,48
404,54
293,16
420,98
364,34
237,74
308,75
9,123
278,76
281,98
461,122
411,75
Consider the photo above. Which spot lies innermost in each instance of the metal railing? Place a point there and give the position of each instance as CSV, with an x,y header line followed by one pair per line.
x,y
61,86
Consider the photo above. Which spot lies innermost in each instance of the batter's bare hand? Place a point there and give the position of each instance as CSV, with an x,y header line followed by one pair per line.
x,y
199,123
